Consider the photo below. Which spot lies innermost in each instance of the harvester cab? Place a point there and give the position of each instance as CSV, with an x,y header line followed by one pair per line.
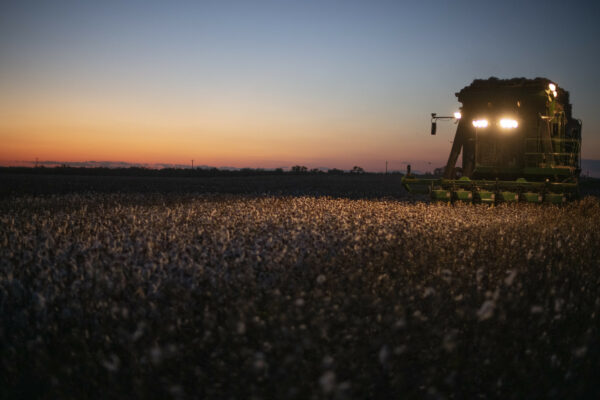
x,y
517,141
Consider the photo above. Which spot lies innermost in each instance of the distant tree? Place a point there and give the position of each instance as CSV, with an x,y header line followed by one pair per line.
x,y
439,171
335,171
299,169
357,170
315,171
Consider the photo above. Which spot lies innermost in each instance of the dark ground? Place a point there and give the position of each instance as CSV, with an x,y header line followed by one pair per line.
x,y
345,186
349,186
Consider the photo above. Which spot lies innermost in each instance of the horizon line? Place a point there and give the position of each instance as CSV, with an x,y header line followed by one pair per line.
x,y
164,165
429,166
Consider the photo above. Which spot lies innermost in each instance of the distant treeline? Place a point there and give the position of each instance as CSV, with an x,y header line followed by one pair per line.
x,y
180,172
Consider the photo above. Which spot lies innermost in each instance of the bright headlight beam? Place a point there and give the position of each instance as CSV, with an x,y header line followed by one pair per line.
x,y
507,123
457,115
552,87
480,123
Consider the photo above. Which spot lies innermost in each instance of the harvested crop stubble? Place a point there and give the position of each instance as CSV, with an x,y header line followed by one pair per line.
x,y
112,295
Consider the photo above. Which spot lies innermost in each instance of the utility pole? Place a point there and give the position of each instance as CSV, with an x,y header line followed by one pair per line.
x,y
192,164
386,167
36,162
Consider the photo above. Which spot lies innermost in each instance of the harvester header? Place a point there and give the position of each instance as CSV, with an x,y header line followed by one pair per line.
x,y
518,141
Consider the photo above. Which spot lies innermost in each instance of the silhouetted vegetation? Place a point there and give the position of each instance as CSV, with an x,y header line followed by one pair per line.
x,y
172,172
299,169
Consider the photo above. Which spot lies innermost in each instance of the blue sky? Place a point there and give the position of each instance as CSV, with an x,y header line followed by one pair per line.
x,y
269,83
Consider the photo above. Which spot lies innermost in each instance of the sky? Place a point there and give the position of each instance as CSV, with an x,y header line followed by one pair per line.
x,y
274,83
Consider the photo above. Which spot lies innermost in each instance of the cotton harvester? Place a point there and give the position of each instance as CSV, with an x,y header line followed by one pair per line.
x,y
519,142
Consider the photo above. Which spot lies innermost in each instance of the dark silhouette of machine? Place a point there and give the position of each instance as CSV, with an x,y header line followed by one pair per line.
x,y
518,141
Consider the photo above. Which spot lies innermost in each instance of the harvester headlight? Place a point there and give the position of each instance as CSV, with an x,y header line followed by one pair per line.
x,y
480,123
508,123
552,87
554,93
457,115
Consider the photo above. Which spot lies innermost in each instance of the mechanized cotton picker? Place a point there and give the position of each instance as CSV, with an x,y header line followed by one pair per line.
x,y
518,141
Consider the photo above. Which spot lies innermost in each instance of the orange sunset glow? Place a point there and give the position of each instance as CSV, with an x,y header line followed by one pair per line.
x,y
261,87
239,134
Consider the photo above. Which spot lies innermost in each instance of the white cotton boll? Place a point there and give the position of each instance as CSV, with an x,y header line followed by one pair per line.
x,y
39,301
529,255
327,382
156,355
176,391
321,279
537,309
112,364
259,363
449,342
479,275
399,324
399,350
558,304
327,361
138,332
486,310
384,354
418,315
580,351
510,278
299,302
240,328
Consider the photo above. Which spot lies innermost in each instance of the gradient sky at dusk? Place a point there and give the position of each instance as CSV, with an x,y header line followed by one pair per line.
x,y
274,83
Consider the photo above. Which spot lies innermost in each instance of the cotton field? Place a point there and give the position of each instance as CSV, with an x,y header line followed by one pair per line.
x,y
237,296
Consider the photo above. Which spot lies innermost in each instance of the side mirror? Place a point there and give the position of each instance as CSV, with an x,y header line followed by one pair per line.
x,y
433,127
